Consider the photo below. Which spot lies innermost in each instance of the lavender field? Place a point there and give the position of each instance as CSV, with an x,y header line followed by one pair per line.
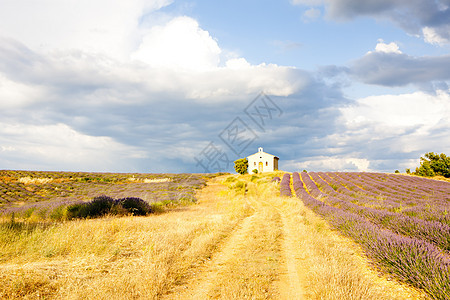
x,y
402,222
25,193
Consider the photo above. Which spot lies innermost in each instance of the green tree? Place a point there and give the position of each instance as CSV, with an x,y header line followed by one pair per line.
x,y
241,165
434,164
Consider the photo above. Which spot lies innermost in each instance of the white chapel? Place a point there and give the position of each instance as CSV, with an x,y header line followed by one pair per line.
x,y
262,161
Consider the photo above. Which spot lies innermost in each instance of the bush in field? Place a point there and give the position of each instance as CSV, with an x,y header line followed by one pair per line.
x,y
135,206
100,206
241,166
255,171
75,211
434,164
104,205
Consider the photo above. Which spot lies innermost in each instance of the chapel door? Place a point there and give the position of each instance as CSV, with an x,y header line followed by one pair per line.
x,y
260,167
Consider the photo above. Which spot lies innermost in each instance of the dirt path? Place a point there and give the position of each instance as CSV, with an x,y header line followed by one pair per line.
x,y
281,250
291,283
203,282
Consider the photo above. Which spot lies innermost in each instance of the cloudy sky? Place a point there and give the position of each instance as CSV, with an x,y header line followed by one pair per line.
x,y
190,86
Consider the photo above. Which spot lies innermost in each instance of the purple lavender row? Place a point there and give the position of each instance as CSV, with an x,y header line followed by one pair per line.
x,y
344,178
431,231
432,207
285,187
388,186
436,213
391,183
428,211
367,200
374,186
436,210
436,185
413,261
361,198
417,184
391,189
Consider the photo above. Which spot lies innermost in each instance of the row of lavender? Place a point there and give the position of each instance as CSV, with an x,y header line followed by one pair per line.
x,y
411,248
434,232
285,185
413,197
397,187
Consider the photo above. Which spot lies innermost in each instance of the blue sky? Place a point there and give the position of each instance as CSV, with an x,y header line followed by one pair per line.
x,y
189,86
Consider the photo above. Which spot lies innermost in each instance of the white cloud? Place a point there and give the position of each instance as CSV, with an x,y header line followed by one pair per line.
x,y
17,95
100,26
387,48
397,113
334,163
237,63
431,36
58,146
390,129
181,44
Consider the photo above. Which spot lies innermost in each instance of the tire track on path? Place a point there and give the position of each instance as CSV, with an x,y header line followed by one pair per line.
x,y
204,279
292,270
291,285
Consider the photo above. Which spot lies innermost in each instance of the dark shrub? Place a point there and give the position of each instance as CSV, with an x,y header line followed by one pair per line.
x,y
135,206
100,206
103,205
77,211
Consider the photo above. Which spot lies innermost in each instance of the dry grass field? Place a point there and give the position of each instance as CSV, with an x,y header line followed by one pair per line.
x,y
240,241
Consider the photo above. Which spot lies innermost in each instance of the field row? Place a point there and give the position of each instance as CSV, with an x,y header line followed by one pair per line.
x,y
401,221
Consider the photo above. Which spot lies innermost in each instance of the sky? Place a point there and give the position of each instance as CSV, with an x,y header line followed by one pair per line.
x,y
158,86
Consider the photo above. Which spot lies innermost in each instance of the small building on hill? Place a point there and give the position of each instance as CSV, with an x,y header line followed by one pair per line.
x,y
262,161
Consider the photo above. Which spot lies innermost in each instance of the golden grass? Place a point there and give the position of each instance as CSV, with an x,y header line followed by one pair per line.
x,y
149,180
29,180
114,258
240,245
